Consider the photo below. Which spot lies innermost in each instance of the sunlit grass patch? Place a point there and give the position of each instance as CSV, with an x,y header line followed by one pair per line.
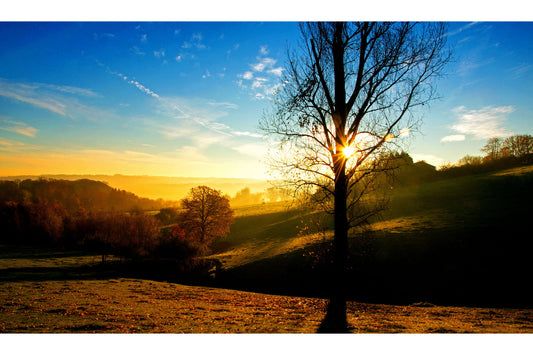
x,y
515,171
263,208
257,250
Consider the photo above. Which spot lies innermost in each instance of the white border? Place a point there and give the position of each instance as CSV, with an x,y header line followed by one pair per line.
x,y
267,10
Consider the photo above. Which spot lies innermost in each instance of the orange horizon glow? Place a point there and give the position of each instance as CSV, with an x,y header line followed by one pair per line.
x,y
123,163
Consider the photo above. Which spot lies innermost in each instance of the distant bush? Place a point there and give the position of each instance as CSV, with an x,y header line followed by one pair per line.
x,y
175,244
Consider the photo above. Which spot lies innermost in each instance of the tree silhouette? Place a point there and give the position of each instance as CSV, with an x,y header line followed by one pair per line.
x,y
348,93
207,214
493,149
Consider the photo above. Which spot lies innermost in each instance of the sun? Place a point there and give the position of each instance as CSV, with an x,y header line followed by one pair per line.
x,y
348,152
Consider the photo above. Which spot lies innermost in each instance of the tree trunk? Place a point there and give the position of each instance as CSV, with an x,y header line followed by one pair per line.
x,y
335,320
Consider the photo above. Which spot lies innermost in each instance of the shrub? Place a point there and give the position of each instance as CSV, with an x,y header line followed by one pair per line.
x,y
175,244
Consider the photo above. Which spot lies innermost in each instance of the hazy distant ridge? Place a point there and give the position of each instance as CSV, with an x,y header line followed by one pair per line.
x,y
154,187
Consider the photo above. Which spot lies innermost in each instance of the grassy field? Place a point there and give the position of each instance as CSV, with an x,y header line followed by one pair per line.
x,y
141,306
449,257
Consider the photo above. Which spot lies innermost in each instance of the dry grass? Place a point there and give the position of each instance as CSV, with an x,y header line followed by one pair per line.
x,y
140,306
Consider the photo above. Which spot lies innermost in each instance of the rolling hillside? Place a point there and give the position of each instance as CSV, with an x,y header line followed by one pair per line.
x,y
155,187
454,241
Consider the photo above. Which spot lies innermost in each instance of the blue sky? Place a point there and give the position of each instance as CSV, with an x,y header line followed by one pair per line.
x,y
185,98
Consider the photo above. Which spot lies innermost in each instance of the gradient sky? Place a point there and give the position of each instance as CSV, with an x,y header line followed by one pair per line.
x,y
184,99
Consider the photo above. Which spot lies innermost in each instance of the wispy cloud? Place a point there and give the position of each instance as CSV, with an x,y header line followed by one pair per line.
x,y
520,70
137,84
70,90
197,123
248,134
454,138
192,113
263,63
137,51
224,105
194,121
59,99
248,75
11,146
483,123
143,88
19,127
254,150
192,153
276,71
196,41
461,29
27,95
97,36
232,49
468,65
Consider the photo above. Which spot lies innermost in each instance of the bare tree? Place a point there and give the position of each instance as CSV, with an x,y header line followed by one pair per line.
x,y
348,94
493,149
470,160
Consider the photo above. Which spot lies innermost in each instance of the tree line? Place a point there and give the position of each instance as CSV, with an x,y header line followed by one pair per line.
x,y
203,216
272,194
498,153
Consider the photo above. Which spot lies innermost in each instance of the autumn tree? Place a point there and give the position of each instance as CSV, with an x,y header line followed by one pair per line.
x,y
207,214
519,145
348,94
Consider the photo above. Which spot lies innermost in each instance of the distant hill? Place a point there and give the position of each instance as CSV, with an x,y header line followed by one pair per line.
x,y
164,187
72,195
